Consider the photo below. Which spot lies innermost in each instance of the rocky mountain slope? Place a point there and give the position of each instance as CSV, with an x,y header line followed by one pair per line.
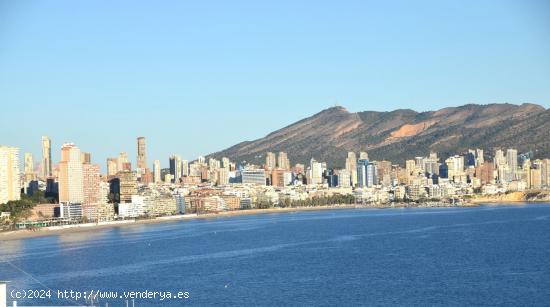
x,y
403,134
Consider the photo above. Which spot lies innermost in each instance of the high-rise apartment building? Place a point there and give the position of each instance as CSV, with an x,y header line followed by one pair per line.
x,y
270,161
315,172
29,164
9,174
46,157
128,186
112,166
299,168
175,168
214,164
535,177
366,173
545,170
278,178
185,168
156,171
86,157
225,162
70,175
479,157
122,161
383,169
141,154
471,160
28,170
431,166
351,166
410,171
485,172
344,178
195,169
499,160
223,176
512,161
419,163
283,162
455,166
201,159
90,183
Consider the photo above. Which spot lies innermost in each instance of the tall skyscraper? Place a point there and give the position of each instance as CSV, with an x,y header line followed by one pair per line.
x,y
344,178
351,166
201,159
29,164
90,183
455,166
512,161
410,170
70,175
223,176
499,158
128,185
315,172
282,161
156,171
175,167
9,174
122,161
141,153
29,174
213,164
471,158
485,172
270,161
545,170
366,173
86,157
225,162
184,168
46,157
479,157
112,166
363,155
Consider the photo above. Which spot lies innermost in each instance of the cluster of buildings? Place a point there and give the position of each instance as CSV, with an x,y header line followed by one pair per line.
x,y
79,191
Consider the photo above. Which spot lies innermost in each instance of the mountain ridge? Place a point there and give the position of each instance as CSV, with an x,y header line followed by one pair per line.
x,y
402,134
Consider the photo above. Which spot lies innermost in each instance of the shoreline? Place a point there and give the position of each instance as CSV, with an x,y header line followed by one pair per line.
x,y
79,228
85,227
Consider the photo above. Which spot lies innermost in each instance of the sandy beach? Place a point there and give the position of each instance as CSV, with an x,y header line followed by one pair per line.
x,y
58,230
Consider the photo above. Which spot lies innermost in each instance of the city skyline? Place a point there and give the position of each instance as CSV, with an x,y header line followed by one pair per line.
x,y
83,194
249,153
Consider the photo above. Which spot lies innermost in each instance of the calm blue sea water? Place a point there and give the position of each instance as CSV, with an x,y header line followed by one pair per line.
x,y
492,255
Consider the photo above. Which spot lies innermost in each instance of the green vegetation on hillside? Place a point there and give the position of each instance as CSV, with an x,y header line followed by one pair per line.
x,y
21,209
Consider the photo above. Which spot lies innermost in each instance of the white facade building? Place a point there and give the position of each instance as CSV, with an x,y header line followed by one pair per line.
x,y
253,176
9,174
156,171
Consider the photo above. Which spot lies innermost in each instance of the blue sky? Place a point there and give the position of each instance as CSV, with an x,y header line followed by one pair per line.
x,y
195,77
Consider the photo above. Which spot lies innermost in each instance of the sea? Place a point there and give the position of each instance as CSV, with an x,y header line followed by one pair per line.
x,y
491,255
